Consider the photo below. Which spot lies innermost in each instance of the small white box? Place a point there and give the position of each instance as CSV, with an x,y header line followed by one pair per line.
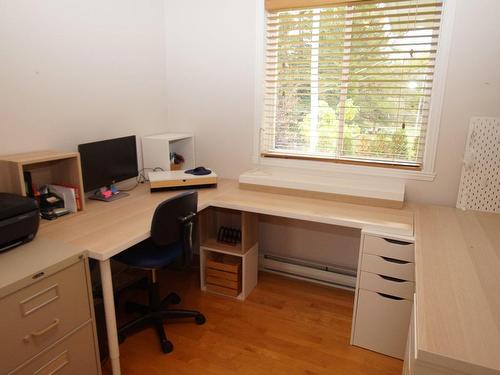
x,y
156,150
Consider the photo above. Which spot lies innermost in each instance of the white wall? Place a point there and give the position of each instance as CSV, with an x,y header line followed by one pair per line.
x,y
210,78
473,89
73,71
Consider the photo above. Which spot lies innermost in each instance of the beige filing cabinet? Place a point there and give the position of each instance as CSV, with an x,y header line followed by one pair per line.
x,y
384,294
47,324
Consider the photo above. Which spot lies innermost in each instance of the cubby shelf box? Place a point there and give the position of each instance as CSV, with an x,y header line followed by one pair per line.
x,y
46,167
228,269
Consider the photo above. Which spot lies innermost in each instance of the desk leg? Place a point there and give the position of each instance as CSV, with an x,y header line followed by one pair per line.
x,y
109,309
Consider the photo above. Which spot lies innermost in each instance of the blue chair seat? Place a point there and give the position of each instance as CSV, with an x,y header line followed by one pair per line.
x,y
147,255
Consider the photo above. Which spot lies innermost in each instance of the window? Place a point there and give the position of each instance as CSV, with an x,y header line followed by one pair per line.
x,y
350,82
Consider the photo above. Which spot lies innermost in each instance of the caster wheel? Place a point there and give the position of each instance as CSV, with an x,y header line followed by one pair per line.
x,y
200,319
175,299
167,347
121,338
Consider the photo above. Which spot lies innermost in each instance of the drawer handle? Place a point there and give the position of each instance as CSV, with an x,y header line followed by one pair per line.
x,y
394,279
389,296
42,332
392,260
397,242
55,365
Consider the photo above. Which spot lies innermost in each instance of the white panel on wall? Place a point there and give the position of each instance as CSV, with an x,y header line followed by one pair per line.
x,y
480,183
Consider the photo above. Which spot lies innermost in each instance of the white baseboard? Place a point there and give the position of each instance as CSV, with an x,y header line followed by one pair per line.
x,y
331,276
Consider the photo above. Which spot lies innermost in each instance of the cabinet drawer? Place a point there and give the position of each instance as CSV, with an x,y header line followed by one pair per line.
x,y
74,355
388,267
382,323
38,315
386,284
389,248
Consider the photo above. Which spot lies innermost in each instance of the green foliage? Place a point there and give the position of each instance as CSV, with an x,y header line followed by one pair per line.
x,y
351,111
399,144
327,127
376,102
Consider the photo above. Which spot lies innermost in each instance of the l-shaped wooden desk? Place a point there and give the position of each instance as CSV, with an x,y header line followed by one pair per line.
x,y
456,318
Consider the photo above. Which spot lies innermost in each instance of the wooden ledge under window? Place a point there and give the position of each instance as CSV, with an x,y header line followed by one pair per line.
x,y
342,187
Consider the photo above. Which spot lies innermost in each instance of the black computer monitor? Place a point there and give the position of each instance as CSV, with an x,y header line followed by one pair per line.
x,y
107,162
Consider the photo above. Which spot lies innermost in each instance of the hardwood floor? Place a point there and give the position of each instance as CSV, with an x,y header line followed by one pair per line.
x,y
286,326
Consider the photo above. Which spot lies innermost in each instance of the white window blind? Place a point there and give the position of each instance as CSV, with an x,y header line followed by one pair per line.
x,y
350,81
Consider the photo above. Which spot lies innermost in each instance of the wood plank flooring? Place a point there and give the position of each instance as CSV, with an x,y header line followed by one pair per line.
x,y
286,326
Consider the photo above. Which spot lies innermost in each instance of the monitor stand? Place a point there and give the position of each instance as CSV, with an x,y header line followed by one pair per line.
x,y
112,198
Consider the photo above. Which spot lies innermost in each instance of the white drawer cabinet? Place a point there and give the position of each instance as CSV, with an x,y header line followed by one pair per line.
x,y
386,284
47,324
70,356
388,267
382,323
42,313
397,249
384,295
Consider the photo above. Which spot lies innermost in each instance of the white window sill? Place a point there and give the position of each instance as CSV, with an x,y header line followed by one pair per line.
x,y
332,169
383,188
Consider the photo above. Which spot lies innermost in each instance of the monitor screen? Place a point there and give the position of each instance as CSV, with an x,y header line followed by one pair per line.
x,y
107,162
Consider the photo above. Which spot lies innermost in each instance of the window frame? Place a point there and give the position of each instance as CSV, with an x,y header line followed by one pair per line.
x,y
426,172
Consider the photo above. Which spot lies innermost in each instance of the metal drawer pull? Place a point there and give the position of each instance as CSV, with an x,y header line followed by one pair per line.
x,y
397,242
55,365
394,279
392,260
53,325
389,296
33,303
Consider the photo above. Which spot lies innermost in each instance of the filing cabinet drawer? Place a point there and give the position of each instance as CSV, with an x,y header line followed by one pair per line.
x,y
38,315
71,356
382,323
388,267
390,248
386,284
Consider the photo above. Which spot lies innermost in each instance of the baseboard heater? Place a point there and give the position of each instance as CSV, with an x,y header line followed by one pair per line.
x,y
319,273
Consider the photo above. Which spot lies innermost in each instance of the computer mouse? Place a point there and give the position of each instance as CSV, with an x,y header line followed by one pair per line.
x,y
199,171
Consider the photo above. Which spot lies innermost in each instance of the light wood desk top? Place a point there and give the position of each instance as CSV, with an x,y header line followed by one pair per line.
x,y
458,289
457,258
106,228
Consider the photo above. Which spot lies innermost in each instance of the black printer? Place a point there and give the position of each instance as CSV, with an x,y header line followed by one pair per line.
x,y
19,219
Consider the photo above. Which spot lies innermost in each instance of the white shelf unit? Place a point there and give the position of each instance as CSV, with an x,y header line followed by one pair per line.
x,y
249,268
246,252
156,150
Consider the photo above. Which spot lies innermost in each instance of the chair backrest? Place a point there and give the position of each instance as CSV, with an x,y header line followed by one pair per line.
x,y
168,225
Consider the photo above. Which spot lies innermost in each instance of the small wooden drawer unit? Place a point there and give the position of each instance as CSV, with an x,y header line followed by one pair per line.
x,y
384,295
223,274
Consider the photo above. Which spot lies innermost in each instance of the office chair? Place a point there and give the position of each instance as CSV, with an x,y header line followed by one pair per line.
x,y
171,238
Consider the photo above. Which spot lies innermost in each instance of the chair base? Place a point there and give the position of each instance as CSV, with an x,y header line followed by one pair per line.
x,y
155,314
